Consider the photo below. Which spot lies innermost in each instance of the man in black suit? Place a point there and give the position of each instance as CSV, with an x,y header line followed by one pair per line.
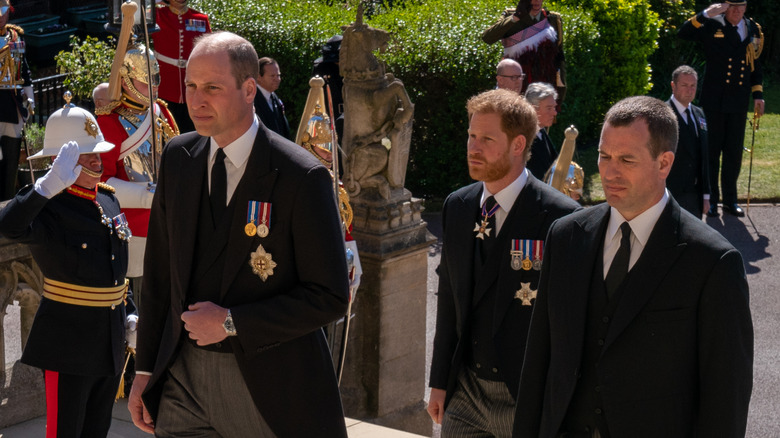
x,y
267,104
245,262
732,45
489,271
542,97
688,181
642,325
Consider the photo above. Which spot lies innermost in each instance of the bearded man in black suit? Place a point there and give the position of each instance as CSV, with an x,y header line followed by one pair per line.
x,y
689,180
642,325
489,271
245,262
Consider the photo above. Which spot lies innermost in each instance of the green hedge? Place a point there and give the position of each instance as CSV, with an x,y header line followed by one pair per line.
x,y
437,52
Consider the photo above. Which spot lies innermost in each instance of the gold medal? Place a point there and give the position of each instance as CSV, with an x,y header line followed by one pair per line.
x,y
250,229
262,230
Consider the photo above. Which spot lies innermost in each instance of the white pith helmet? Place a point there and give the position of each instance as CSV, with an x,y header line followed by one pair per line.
x,y
72,123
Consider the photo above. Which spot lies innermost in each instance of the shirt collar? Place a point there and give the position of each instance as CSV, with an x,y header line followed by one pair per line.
x,y
238,151
266,93
507,196
680,108
641,225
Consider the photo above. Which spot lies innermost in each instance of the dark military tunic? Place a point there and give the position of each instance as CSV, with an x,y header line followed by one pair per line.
x,y
733,72
71,244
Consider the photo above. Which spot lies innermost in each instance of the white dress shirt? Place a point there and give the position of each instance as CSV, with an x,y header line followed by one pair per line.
x,y
236,157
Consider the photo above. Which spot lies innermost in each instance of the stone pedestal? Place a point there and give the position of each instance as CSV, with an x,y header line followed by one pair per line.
x,y
384,374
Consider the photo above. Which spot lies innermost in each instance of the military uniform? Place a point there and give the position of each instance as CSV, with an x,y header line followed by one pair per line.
x,y
540,54
78,335
733,73
14,74
173,45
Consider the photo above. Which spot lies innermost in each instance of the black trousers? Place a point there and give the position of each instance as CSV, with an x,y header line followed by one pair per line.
x,y
79,406
726,137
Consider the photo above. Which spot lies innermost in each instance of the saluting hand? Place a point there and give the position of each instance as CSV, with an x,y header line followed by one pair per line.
x,y
716,9
204,322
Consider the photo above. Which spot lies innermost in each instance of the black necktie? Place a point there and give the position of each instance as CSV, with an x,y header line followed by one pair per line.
x,y
691,124
277,106
218,194
619,267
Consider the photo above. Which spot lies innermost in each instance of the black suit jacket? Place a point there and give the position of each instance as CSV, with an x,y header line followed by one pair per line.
x,y
677,360
280,347
273,121
543,155
535,208
690,171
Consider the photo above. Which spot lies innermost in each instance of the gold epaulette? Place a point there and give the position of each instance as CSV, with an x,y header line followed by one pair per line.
x,y
16,28
106,187
695,21
107,109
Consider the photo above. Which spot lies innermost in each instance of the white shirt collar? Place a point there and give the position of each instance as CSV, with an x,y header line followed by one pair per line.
x,y
681,109
266,94
642,225
506,197
238,151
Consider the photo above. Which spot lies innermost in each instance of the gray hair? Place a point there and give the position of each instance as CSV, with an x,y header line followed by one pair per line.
x,y
538,91
684,70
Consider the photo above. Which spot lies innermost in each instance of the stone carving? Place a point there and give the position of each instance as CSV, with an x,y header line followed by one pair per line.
x,y
377,114
22,281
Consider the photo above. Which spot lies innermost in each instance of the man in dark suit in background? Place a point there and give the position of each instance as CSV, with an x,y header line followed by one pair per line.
x,y
688,180
244,264
732,45
642,325
542,97
489,270
267,104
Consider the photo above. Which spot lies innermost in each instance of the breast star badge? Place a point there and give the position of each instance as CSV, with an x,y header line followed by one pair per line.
x,y
482,229
262,264
525,294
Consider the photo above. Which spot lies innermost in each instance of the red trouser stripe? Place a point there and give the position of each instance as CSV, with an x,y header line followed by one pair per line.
x,y
52,395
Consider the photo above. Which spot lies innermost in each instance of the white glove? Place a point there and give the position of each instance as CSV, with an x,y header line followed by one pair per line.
x,y
132,194
131,331
64,171
355,283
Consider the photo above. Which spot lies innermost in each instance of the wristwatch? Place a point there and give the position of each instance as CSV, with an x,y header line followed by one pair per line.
x,y
228,325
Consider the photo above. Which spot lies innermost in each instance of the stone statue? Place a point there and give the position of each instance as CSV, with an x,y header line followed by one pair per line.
x,y
377,114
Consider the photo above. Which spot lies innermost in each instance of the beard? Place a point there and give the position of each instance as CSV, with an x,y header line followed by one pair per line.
x,y
490,171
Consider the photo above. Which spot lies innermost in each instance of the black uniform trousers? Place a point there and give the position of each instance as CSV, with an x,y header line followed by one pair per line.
x,y
81,405
726,136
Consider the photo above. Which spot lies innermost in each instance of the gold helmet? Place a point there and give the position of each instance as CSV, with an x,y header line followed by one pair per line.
x,y
134,67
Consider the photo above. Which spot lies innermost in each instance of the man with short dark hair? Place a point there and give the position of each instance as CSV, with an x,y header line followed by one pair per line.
x,y
267,104
642,325
732,45
688,180
509,75
491,257
244,264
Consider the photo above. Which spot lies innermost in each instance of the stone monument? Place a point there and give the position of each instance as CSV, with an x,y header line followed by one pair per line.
x,y
384,375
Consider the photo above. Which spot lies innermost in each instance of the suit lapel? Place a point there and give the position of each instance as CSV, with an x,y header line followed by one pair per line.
x,y
462,226
658,257
188,198
257,184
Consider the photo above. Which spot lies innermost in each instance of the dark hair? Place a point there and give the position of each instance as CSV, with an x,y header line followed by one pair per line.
x,y
660,119
518,117
262,62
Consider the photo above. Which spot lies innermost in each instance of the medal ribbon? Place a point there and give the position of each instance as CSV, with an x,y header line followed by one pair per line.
x,y
516,246
527,248
265,213
251,213
488,214
538,244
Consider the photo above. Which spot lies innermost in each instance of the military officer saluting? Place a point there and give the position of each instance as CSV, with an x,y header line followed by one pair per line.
x,y
78,236
732,45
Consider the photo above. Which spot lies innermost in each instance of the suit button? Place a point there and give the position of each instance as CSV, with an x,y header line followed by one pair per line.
x,y
740,82
728,74
598,389
115,282
729,67
597,411
605,319
495,370
479,365
601,342
730,59
83,246
113,306
727,81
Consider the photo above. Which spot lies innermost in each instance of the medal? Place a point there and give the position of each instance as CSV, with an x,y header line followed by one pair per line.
x,y
481,227
517,255
122,227
262,264
525,294
527,264
538,247
258,218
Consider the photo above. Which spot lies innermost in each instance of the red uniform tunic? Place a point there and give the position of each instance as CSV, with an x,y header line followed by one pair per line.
x,y
114,132
174,43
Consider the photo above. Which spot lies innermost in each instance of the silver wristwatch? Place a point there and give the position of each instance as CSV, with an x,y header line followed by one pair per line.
x,y
228,325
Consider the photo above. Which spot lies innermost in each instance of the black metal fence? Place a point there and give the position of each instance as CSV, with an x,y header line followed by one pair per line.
x,y
49,93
